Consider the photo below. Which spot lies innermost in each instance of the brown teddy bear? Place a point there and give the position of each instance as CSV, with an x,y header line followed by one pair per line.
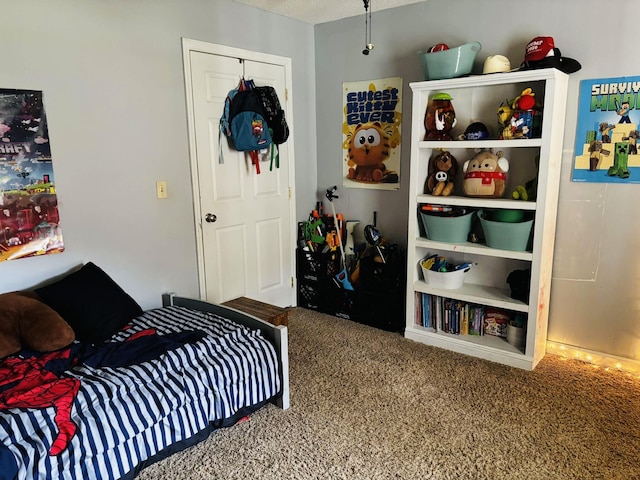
x,y
25,321
485,175
443,169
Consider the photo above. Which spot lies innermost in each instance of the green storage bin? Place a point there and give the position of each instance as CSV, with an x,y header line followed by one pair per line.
x,y
506,235
447,229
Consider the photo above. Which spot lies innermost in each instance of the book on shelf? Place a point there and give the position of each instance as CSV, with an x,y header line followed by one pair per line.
x,y
426,311
447,315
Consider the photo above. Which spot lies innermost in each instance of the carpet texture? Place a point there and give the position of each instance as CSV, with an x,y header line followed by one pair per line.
x,y
368,404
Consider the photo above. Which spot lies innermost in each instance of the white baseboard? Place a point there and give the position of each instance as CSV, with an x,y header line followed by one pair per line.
x,y
603,360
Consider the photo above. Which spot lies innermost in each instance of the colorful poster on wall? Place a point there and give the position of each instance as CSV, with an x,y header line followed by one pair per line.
x,y
29,220
607,131
371,134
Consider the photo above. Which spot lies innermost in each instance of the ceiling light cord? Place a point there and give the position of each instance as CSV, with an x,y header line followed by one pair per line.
x,y
367,28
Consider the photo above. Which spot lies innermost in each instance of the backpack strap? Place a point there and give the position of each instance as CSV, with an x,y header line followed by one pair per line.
x,y
276,149
220,154
224,121
255,159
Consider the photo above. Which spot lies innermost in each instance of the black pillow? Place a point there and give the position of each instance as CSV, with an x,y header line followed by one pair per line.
x,y
91,302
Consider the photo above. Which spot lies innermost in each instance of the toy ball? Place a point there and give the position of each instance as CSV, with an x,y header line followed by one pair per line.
x,y
439,47
476,131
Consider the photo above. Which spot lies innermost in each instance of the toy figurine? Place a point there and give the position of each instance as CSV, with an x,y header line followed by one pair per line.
x,y
518,117
504,115
443,169
525,101
475,131
528,191
440,118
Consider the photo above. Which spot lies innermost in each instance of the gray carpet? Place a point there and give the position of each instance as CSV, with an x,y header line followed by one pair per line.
x,y
368,404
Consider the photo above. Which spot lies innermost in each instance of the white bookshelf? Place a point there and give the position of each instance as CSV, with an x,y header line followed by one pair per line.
x,y
477,98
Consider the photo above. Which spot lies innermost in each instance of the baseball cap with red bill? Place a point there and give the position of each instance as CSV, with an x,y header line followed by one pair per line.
x,y
541,52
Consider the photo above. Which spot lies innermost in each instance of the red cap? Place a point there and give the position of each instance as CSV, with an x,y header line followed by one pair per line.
x,y
538,48
541,52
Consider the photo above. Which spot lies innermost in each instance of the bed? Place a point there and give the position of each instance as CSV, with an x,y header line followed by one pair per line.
x,y
163,381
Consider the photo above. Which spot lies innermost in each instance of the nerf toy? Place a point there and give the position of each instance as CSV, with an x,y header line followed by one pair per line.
x,y
342,277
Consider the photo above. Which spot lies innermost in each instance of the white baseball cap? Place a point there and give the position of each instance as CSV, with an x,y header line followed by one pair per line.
x,y
496,63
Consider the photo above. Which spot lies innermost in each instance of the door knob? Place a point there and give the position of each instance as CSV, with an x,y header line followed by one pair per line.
x,y
210,218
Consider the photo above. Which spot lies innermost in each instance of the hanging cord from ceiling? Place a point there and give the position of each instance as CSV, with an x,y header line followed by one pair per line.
x,y
367,27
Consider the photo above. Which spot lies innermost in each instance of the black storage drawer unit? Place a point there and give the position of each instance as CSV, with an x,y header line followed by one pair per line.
x,y
377,301
381,292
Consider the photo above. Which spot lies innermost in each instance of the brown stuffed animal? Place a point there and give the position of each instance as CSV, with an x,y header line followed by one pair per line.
x,y
485,175
443,169
25,321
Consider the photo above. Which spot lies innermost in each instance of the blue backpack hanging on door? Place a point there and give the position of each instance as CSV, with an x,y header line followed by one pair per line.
x,y
243,122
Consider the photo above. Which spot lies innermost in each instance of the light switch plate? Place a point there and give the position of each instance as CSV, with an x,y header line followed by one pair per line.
x,y
161,189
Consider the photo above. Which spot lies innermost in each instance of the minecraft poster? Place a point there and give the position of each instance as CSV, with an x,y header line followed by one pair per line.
x,y
607,131
29,220
371,134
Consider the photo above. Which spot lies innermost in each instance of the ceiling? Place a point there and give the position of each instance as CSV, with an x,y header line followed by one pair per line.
x,y
322,11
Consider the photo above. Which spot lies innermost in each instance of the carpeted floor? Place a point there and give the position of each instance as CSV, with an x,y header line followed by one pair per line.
x,y
368,404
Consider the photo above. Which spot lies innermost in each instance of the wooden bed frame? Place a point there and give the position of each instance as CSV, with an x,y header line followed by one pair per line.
x,y
276,334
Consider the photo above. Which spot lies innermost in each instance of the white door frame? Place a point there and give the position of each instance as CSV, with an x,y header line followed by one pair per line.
x,y
189,45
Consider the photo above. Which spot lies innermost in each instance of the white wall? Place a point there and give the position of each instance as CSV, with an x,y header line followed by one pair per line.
x,y
112,77
595,299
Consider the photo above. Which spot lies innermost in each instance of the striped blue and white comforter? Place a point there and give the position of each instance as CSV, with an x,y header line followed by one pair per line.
x,y
125,415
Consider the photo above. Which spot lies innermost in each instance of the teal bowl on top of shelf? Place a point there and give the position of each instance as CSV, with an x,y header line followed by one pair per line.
x,y
506,235
447,229
451,63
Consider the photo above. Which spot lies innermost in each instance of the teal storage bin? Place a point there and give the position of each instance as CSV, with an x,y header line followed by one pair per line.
x,y
506,235
447,229
451,63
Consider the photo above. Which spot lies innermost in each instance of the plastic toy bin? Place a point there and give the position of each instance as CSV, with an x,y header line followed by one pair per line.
x,y
506,235
447,229
446,280
450,63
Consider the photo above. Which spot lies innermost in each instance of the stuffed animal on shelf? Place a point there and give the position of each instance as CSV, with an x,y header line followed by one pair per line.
x,y
517,118
440,118
527,192
525,101
443,169
485,175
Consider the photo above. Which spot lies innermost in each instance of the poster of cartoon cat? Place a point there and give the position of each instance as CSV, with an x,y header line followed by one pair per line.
x,y
371,133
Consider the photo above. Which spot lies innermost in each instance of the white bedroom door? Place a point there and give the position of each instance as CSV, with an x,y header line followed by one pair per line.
x,y
245,220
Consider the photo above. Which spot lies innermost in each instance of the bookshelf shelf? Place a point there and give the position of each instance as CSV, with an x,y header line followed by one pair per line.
x,y
486,346
475,293
468,247
477,98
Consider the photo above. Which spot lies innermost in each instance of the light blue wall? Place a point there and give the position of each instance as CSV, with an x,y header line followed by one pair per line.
x,y
111,73
112,77
595,298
